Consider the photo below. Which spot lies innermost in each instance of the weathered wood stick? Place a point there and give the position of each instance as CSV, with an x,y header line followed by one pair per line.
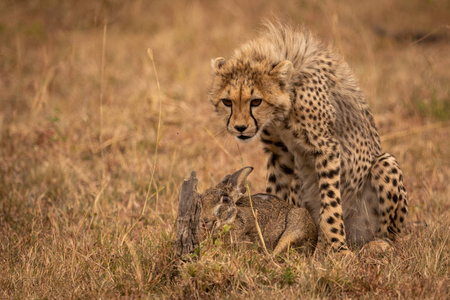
x,y
188,221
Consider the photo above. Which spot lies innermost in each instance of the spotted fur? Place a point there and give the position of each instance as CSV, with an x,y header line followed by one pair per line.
x,y
304,104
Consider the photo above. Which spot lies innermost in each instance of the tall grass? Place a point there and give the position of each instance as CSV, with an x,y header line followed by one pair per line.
x,y
96,138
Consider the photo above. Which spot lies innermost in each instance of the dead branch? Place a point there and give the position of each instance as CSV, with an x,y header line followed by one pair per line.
x,y
188,221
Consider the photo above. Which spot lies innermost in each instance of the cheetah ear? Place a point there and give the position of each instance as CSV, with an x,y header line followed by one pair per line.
x,y
282,72
237,181
218,63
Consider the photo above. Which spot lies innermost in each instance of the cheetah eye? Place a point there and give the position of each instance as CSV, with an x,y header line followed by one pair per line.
x,y
256,102
227,102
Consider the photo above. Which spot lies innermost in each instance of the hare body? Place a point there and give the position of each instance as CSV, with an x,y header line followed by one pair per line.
x,y
282,225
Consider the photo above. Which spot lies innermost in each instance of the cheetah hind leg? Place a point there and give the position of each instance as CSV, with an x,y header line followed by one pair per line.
x,y
387,179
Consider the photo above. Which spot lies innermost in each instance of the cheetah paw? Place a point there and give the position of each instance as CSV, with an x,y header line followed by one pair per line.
x,y
377,246
345,254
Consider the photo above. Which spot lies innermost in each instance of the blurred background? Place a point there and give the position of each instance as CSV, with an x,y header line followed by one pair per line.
x,y
80,106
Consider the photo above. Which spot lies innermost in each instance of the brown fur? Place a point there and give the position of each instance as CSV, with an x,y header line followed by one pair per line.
x,y
282,225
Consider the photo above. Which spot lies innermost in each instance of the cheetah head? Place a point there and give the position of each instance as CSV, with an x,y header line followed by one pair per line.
x,y
248,95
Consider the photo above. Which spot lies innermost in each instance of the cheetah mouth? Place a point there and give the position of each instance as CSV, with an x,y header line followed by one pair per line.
x,y
244,137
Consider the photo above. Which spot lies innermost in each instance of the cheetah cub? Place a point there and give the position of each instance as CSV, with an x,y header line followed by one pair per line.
x,y
282,224
300,99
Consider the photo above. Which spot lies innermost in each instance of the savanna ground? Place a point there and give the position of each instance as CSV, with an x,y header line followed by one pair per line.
x,y
93,152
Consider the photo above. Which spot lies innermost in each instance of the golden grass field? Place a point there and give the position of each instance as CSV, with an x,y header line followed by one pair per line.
x,y
96,139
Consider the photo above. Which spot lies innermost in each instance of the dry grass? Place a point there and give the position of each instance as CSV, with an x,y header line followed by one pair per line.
x,y
81,217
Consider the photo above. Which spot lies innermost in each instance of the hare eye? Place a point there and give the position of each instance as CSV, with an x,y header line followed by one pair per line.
x,y
225,199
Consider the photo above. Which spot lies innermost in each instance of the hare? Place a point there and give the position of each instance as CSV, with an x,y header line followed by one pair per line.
x,y
282,224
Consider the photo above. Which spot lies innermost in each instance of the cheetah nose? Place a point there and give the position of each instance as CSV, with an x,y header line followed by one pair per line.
x,y
240,128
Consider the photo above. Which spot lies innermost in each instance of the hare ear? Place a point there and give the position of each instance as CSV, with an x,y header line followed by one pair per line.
x,y
237,181
218,63
224,181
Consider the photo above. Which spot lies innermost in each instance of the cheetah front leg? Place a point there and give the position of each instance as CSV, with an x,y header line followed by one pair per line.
x,y
331,221
387,179
280,167
295,188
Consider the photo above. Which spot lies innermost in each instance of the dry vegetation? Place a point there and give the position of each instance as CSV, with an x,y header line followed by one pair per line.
x,y
87,205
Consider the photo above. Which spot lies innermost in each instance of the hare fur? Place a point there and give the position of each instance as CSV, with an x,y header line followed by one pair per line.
x,y
282,225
